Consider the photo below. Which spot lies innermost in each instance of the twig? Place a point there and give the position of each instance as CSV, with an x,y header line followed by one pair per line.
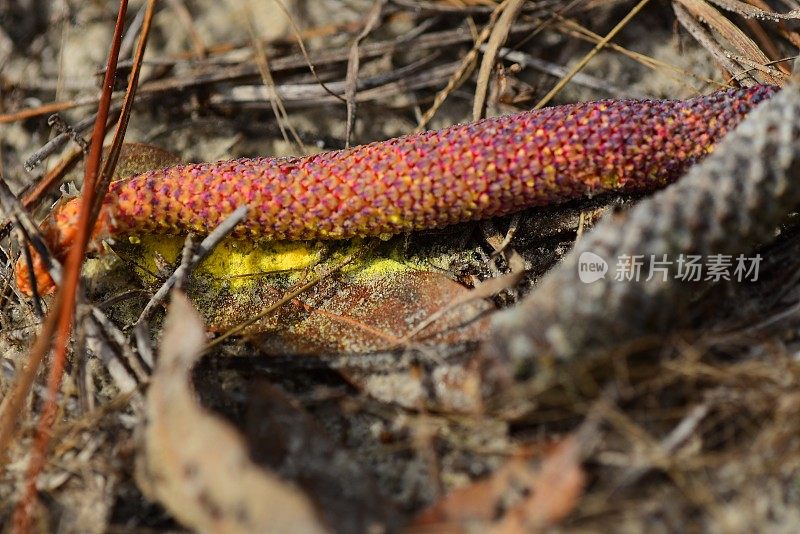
x,y
498,36
707,41
559,71
301,44
124,116
353,61
46,109
195,36
56,143
574,29
68,291
100,331
433,40
187,254
371,88
588,57
466,66
129,39
58,124
203,249
276,103
668,446
464,8
143,345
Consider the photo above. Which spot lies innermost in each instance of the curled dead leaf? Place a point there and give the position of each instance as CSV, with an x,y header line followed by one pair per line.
x,y
196,464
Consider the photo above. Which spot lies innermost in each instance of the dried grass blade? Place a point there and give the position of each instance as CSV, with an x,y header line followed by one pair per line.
x,y
500,32
353,62
593,52
706,13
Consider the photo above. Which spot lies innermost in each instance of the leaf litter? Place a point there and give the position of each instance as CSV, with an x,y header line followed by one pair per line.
x,y
341,405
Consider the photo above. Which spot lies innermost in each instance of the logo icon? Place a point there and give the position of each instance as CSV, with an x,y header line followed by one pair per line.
x,y
591,267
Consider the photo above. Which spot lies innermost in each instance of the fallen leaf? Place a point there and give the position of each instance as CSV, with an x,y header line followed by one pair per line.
x,y
556,489
524,495
371,305
366,313
195,463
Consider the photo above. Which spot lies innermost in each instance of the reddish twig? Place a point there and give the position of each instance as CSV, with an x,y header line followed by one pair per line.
x,y
69,289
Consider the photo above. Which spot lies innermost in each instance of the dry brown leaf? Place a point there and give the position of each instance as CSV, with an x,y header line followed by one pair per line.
x,y
370,314
557,487
551,490
355,318
709,42
136,158
475,504
196,464
485,290
368,307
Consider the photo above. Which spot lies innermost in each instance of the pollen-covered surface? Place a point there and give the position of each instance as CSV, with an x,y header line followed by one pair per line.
x,y
471,171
